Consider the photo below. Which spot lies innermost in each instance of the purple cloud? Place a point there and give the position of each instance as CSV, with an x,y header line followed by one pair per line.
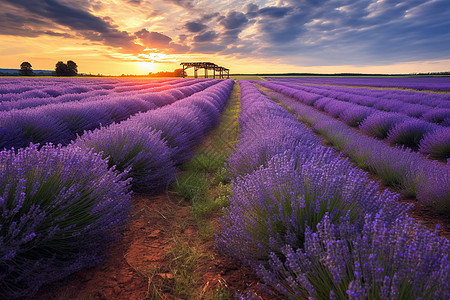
x,y
153,39
208,36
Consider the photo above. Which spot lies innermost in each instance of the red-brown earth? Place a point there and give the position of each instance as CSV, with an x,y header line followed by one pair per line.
x,y
139,265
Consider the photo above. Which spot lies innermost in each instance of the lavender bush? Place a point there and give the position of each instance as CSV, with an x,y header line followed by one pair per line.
x,y
185,123
335,108
438,116
179,131
322,102
272,206
410,133
259,142
137,149
20,130
355,115
379,123
381,260
60,207
436,144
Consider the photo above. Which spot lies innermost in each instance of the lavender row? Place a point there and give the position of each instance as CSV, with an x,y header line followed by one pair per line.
x,y
61,123
36,98
312,226
438,113
412,97
430,139
15,87
417,83
11,88
150,145
424,179
62,206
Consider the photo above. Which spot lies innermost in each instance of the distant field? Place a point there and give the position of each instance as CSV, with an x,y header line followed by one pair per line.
x,y
437,83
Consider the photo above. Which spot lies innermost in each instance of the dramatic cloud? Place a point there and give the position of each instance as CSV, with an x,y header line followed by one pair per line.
x,y
36,15
162,42
252,10
234,20
153,39
354,32
274,12
195,26
208,36
209,17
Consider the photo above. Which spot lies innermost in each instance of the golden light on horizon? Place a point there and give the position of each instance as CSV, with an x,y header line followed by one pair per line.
x,y
146,66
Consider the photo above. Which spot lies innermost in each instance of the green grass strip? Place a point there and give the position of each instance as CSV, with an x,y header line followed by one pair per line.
x,y
203,180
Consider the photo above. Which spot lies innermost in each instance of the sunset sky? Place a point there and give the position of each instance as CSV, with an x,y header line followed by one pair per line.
x,y
141,36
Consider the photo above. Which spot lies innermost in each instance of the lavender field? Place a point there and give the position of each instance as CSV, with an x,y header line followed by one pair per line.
x,y
416,83
305,213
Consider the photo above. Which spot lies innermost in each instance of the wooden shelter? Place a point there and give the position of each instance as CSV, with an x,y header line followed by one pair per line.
x,y
207,66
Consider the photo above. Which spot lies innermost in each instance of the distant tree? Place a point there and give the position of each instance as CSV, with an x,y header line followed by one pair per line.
x,y
26,69
69,69
72,68
179,73
61,69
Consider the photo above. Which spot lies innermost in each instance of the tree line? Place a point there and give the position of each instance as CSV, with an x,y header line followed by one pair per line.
x,y
61,69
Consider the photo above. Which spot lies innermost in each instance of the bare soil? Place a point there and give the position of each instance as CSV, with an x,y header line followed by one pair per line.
x,y
139,265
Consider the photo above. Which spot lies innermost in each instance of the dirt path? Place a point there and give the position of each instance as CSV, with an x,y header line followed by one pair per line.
x,y
141,265
162,255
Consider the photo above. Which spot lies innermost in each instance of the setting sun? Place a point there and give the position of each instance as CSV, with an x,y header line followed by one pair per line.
x,y
146,66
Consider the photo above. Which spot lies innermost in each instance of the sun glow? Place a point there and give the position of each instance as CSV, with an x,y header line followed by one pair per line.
x,y
147,66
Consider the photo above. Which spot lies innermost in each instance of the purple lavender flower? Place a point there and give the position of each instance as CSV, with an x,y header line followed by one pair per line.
x,y
436,144
379,123
355,115
419,83
137,149
295,185
437,115
399,260
20,128
322,102
60,208
59,122
335,108
410,133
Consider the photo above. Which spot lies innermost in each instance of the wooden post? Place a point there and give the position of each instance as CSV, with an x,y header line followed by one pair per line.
x,y
206,72
195,72
214,73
